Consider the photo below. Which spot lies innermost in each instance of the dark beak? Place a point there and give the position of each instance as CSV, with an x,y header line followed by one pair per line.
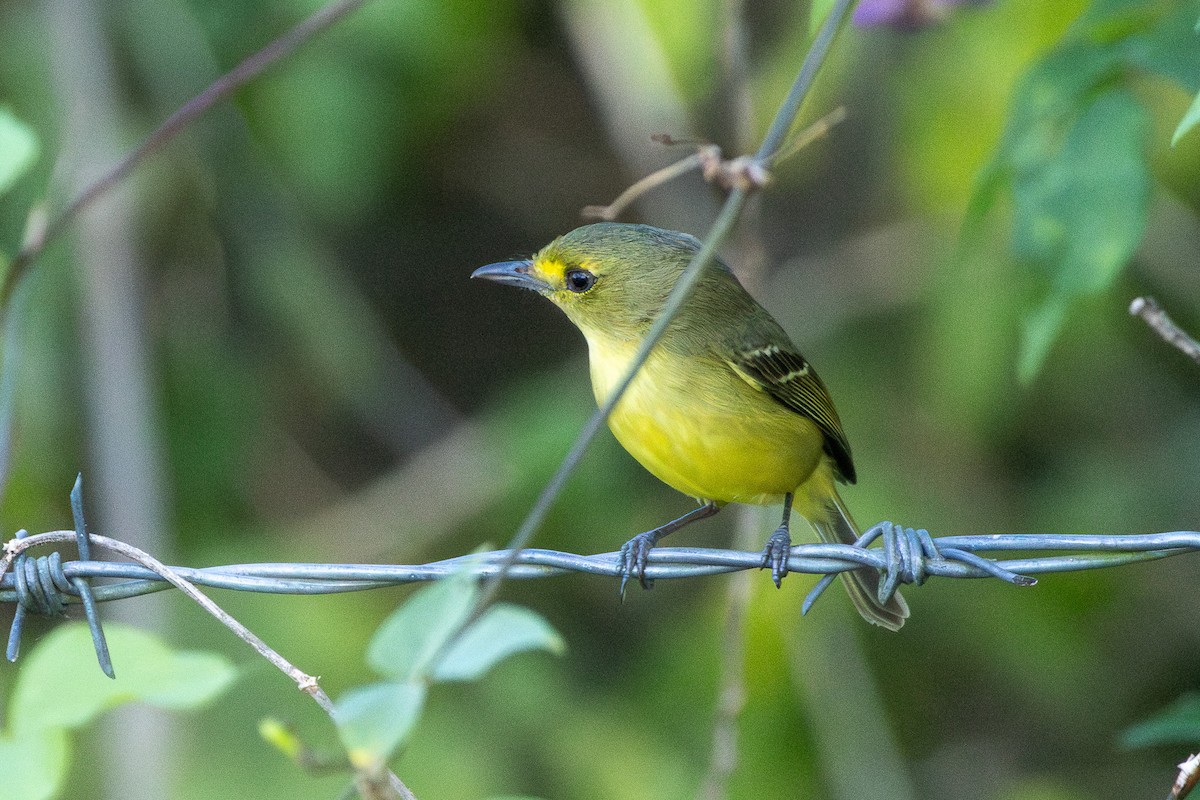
x,y
513,273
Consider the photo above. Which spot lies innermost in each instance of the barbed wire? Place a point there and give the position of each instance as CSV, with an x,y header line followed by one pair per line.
x,y
48,585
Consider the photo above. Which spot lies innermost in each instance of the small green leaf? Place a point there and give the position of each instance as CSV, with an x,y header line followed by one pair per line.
x,y
1190,119
1045,102
374,720
60,686
33,764
1040,330
503,630
1178,723
415,633
1079,210
18,149
1167,46
1082,211
281,737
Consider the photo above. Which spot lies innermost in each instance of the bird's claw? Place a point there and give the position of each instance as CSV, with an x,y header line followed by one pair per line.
x,y
633,558
775,555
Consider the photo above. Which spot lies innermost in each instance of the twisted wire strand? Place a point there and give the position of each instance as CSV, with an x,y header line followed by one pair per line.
x,y
47,585
899,560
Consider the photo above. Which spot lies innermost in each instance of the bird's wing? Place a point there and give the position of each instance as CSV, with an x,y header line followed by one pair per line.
x,y
789,378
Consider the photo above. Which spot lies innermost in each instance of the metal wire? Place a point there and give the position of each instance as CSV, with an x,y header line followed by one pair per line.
x,y
42,586
47,585
902,560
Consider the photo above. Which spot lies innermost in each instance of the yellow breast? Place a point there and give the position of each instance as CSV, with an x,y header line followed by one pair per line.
x,y
701,429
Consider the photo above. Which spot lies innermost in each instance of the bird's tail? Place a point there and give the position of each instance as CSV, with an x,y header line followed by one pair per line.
x,y
862,584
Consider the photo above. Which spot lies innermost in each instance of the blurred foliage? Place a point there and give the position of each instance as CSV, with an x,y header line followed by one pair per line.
x,y
1179,724
1073,155
58,691
18,149
331,387
432,638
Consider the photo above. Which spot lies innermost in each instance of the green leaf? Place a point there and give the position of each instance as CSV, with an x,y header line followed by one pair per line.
x,y
1168,46
1105,21
1189,121
1080,209
281,736
1040,330
407,641
1178,723
1045,102
373,721
503,630
33,764
60,686
18,149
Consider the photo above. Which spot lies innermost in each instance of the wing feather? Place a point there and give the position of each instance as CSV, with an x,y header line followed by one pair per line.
x,y
788,377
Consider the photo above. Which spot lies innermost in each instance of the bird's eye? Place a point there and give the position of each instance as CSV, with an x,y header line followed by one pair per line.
x,y
580,280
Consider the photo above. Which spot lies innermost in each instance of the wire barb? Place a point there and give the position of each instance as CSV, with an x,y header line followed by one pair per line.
x,y
82,587
41,585
46,585
908,555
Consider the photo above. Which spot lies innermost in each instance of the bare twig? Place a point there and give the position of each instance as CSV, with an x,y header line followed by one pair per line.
x,y
651,181
1189,776
243,73
810,134
1148,309
747,173
305,682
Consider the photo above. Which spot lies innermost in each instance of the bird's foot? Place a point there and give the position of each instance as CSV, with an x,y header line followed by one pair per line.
x,y
633,557
775,554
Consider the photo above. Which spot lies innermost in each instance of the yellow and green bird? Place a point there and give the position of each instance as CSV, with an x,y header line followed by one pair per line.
x,y
725,409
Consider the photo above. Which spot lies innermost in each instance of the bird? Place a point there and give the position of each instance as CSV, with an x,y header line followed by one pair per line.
x,y
725,409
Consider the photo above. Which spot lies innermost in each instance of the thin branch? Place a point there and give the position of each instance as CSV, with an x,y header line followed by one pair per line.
x,y
744,172
651,181
305,682
818,130
786,116
1149,310
243,73
1189,775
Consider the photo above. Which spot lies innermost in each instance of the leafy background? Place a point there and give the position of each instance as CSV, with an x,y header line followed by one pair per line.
x,y
318,380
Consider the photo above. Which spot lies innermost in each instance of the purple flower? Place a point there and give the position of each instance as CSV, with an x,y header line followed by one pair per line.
x,y
905,14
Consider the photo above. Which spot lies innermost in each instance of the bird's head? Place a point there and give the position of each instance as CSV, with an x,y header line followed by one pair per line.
x,y
608,277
